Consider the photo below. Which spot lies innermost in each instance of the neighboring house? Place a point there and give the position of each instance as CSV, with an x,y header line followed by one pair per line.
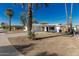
x,y
17,27
13,27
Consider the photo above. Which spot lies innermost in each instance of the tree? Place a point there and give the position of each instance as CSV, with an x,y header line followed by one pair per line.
x,y
30,16
71,17
29,25
35,21
23,19
9,12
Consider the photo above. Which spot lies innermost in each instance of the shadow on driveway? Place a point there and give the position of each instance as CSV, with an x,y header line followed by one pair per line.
x,y
13,50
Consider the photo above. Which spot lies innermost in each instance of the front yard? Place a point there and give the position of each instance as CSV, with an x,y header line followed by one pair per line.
x,y
50,44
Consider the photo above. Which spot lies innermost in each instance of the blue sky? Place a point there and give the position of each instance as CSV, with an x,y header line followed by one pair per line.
x,y
53,14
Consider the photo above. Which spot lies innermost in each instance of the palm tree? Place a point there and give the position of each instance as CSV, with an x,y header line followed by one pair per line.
x,y
66,14
9,12
29,25
30,16
71,17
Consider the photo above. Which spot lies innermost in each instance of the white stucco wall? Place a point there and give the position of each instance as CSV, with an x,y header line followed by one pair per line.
x,y
57,29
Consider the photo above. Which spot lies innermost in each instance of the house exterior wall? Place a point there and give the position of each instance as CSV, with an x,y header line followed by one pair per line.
x,y
42,28
37,28
47,27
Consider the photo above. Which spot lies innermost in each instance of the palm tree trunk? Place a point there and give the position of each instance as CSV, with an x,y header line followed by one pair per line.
x,y
67,20
71,30
71,18
10,24
29,25
71,23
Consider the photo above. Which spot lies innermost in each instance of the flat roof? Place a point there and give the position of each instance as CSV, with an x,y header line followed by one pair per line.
x,y
44,24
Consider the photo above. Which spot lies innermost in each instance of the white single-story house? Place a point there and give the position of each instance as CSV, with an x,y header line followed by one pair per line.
x,y
44,27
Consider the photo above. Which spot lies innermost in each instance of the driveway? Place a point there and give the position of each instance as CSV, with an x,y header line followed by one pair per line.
x,y
6,49
16,35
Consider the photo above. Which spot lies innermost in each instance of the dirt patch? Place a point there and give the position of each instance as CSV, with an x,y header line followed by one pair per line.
x,y
18,40
51,44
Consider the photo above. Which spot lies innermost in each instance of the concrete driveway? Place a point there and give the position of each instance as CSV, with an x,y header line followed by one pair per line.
x,y
6,49
16,35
